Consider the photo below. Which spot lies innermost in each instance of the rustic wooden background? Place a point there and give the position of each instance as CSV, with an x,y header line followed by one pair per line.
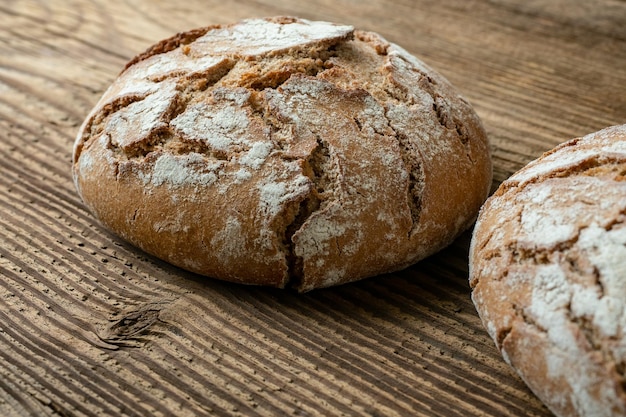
x,y
92,326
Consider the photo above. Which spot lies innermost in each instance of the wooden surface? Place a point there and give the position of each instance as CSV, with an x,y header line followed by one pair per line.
x,y
91,326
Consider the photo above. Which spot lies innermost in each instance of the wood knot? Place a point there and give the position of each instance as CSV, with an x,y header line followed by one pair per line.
x,y
128,330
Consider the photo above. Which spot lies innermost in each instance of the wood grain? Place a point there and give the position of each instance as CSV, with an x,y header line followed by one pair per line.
x,y
89,325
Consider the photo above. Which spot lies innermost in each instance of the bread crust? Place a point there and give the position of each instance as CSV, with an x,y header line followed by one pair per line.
x,y
282,152
548,270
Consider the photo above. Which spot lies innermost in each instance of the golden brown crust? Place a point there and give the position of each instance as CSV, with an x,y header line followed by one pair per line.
x,y
547,264
283,152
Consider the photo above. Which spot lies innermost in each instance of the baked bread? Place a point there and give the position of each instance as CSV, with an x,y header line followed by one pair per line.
x,y
283,152
548,273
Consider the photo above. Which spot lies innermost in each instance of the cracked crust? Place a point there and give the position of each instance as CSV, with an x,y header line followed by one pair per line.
x,y
548,272
283,152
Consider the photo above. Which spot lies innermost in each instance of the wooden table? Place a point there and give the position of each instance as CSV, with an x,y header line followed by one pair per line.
x,y
89,325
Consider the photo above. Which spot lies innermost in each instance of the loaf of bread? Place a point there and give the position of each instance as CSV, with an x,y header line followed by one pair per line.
x,y
283,152
548,272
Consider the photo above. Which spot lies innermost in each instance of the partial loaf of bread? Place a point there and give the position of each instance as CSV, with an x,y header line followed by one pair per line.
x,y
548,272
283,152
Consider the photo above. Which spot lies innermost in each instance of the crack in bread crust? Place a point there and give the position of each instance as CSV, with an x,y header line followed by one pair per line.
x,y
316,168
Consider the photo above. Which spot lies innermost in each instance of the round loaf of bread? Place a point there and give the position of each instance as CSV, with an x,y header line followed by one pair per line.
x,y
283,152
548,272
